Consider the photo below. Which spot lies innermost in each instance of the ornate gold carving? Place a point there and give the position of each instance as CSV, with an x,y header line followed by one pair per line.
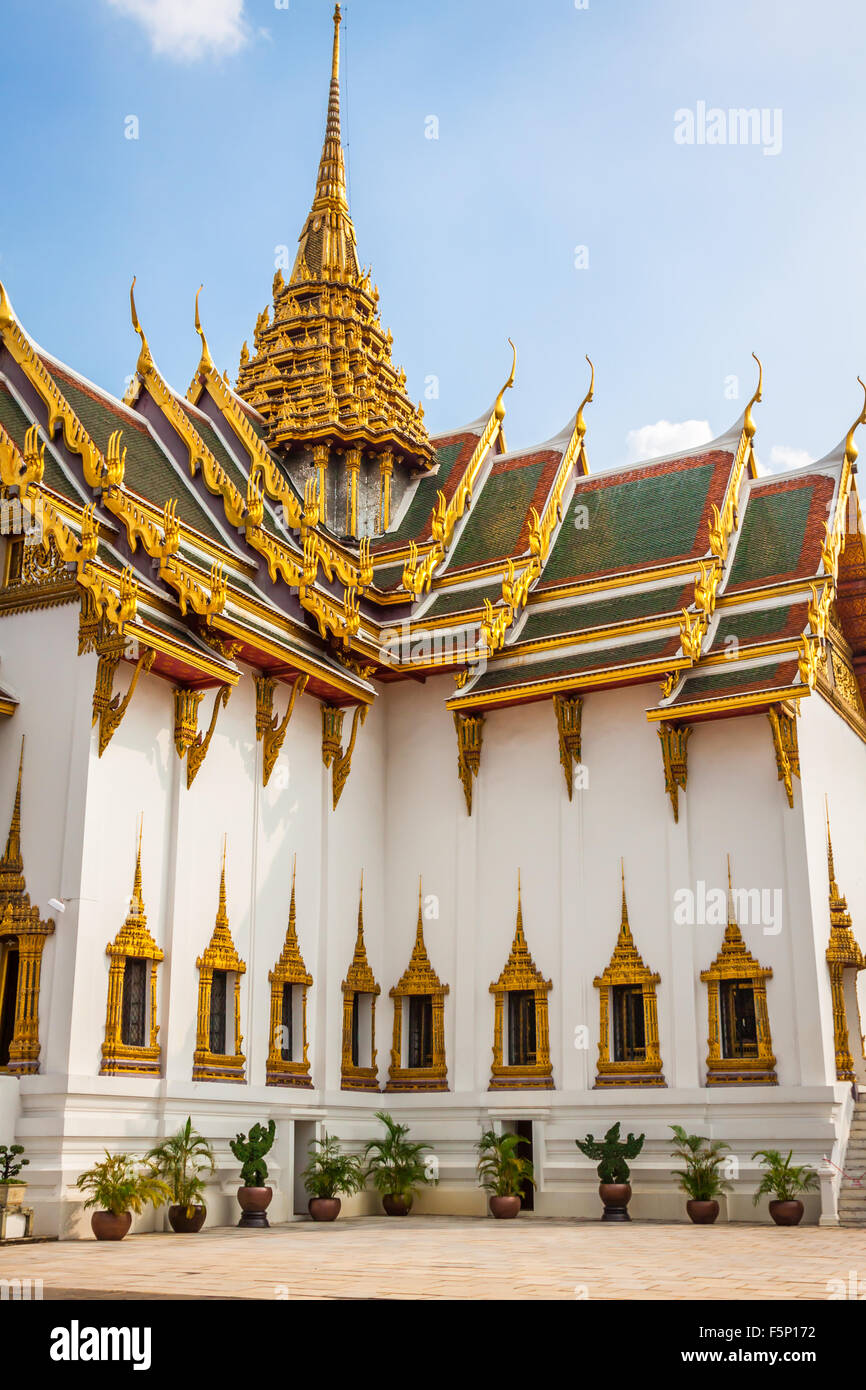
x,y
470,734
568,709
332,754
843,953
269,729
836,529
734,962
289,970
196,752
520,974
359,980
109,709
674,740
133,941
220,954
419,978
20,922
845,682
784,726
626,967
693,629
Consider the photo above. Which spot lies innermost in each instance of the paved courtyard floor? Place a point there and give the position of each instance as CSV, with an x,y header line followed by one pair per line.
x,y
430,1257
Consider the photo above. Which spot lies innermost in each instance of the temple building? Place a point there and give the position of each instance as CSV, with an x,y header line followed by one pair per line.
x,y
347,767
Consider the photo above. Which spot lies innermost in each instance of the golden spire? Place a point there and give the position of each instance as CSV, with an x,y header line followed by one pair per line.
x,y
145,360
291,931
206,362
748,423
12,883
851,450
136,906
843,945
331,182
624,927
519,935
222,919
831,869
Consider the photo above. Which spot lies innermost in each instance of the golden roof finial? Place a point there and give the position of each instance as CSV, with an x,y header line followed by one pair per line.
x,y
222,914
206,363
580,423
625,927
748,423
12,857
851,450
331,182
499,408
292,932
137,904
145,360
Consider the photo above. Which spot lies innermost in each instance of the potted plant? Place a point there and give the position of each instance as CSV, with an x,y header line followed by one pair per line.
x,y
700,1179
611,1153
182,1161
784,1179
330,1173
396,1166
502,1171
253,1196
12,1189
117,1189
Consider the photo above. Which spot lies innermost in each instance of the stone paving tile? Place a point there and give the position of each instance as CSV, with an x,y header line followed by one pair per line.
x,y
454,1258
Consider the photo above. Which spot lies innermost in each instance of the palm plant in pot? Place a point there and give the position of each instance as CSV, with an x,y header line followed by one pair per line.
x,y
611,1153
12,1189
784,1180
181,1161
330,1173
117,1188
700,1179
254,1197
502,1171
396,1166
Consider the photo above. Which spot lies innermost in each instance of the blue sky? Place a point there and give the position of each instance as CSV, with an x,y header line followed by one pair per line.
x,y
556,131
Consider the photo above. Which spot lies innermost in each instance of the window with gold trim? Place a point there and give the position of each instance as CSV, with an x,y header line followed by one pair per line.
x,y
521,1035
418,1049
628,1047
844,961
739,1046
131,1026
218,1055
359,1071
288,1058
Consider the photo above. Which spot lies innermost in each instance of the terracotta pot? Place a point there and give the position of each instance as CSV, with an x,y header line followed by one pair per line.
x,y
254,1202
703,1211
787,1213
183,1224
12,1194
395,1205
324,1208
107,1226
504,1208
616,1197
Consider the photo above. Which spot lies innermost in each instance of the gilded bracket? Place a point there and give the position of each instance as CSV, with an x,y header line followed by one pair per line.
x,y
109,709
674,741
188,742
568,710
332,754
268,729
784,726
470,734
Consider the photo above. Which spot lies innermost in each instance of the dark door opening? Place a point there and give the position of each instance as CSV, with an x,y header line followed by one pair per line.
x,y
527,1191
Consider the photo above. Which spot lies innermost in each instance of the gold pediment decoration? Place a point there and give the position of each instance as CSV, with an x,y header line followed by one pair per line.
x,y
359,980
735,962
419,978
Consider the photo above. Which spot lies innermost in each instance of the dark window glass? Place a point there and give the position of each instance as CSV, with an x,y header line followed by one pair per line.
x,y
739,1025
15,561
8,994
286,1050
420,1030
134,1008
218,1012
629,1042
356,1019
521,1028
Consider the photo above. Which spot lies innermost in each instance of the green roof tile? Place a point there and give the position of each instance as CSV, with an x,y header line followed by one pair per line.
x,y
498,514
773,534
576,663
622,608
16,425
762,625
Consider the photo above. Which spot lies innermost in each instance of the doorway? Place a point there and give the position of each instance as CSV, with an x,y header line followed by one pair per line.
x,y
527,1192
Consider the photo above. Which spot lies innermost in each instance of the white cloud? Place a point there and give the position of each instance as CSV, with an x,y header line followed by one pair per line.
x,y
783,457
666,437
189,29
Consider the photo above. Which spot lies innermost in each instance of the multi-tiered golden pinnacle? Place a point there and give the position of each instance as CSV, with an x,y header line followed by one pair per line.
x,y
321,372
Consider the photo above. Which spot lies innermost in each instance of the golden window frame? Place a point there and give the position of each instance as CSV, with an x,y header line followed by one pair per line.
x,y
521,975
133,942
359,980
289,970
219,955
735,962
419,978
626,967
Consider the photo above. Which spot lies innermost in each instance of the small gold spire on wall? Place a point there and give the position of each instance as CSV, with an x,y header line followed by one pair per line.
x,y
626,968
220,955
569,709
783,723
755,1064
269,729
289,970
419,978
359,980
843,953
470,735
20,923
520,975
133,941
674,741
